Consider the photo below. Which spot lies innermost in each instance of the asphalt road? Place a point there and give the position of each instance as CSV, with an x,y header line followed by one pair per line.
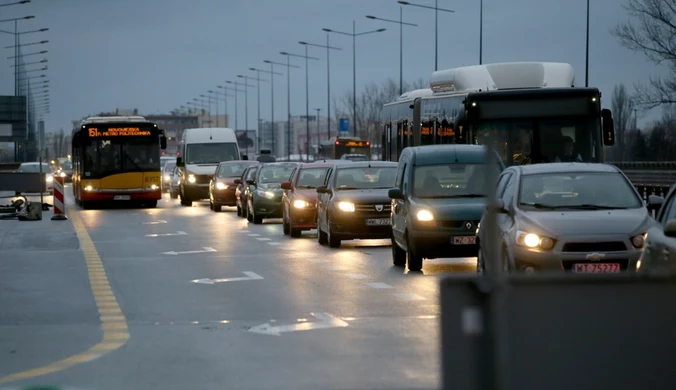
x,y
296,315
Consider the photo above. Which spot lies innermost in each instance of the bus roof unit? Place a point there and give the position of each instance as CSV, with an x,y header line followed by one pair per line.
x,y
415,94
508,75
113,119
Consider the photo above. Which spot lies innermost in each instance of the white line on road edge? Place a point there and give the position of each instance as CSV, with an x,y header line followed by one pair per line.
x,y
243,231
409,296
178,233
327,321
249,276
253,235
379,285
263,239
356,276
155,222
205,249
274,243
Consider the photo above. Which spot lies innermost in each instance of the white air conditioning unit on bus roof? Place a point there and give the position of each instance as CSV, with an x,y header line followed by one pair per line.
x,y
108,119
506,75
415,94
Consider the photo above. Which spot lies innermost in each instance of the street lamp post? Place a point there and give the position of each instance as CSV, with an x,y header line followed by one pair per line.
x,y
436,26
328,80
258,104
208,98
288,103
354,34
246,109
258,78
586,57
225,95
217,98
318,110
307,98
401,24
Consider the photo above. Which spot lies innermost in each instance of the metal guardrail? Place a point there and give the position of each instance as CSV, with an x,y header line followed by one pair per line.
x,y
9,167
560,332
24,182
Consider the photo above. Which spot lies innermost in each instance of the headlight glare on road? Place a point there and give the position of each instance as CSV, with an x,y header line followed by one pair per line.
x,y
301,204
638,241
221,186
348,207
191,178
424,216
532,240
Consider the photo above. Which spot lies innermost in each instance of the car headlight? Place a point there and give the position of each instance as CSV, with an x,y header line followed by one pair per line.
x,y
532,240
221,186
638,241
49,178
62,174
301,204
266,194
478,225
346,206
424,216
167,177
191,178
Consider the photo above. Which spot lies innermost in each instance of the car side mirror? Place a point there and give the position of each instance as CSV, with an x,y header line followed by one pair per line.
x,y
163,142
286,185
250,182
322,190
655,202
670,228
238,181
395,193
608,127
179,162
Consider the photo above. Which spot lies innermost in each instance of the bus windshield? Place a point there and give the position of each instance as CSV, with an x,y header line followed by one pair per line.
x,y
211,153
117,155
527,141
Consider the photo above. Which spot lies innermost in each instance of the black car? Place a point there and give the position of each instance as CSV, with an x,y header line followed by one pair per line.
x,y
242,190
354,203
264,198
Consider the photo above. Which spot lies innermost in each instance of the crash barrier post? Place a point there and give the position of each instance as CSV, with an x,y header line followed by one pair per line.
x,y
561,332
59,210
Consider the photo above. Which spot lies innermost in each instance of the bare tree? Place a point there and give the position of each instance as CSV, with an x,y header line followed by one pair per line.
x,y
652,31
622,106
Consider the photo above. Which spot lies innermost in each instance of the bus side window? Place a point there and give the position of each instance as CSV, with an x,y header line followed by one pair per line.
x,y
394,156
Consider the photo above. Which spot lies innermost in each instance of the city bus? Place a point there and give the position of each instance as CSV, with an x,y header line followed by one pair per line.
x,y
531,110
334,148
117,159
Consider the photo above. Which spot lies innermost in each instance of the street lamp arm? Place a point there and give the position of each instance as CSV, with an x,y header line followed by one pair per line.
x,y
280,64
265,71
338,32
426,6
317,45
297,55
391,21
370,32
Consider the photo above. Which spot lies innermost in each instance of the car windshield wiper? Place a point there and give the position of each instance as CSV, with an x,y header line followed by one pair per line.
x,y
347,188
570,207
453,196
306,186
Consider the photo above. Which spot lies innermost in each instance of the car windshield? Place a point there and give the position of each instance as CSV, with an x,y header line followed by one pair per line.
x,y
275,173
169,166
575,190
211,153
355,157
35,168
232,169
311,177
365,178
449,181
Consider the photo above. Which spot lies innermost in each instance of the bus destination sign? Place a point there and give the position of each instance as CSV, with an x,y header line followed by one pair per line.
x,y
355,143
118,132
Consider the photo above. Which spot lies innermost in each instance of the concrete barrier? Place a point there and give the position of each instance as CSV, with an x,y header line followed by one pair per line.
x,y
559,332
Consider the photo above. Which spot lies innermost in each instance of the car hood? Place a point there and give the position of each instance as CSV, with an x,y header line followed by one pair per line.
x,y
364,196
230,181
589,222
269,186
201,169
309,194
453,209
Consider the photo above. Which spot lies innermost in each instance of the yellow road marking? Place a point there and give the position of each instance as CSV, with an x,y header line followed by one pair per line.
x,y
113,322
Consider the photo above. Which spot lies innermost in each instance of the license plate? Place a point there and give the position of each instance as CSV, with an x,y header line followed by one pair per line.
x,y
378,222
464,240
121,197
601,268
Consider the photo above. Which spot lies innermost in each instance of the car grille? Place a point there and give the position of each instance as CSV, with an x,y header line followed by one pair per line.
x,y
568,264
460,224
372,208
613,246
202,179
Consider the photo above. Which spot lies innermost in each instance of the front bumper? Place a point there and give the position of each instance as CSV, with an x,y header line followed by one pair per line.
x,y
353,226
121,195
224,197
303,218
196,191
437,243
266,207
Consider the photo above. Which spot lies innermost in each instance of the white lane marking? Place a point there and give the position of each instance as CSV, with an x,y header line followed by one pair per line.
x,y
274,243
263,239
249,276
244,231
326,321
317,261
356,276
253,235
379,285
205,249
336,268
178,233
409,296
155,222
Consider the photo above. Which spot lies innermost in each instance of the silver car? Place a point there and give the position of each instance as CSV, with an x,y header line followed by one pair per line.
x,y
574,217
660,252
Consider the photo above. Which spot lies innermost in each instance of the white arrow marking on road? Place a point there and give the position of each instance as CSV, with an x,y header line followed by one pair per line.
x,y
178,233
249,276
205,250
155,222
327,321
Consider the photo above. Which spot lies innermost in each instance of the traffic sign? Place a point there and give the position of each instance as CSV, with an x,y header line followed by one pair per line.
x,y
344,125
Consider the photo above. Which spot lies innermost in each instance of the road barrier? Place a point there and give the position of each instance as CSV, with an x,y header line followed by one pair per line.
x,y
59,209
559,332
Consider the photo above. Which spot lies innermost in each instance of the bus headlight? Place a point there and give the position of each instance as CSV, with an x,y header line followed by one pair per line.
x,y
346,206
154,187
89,188
191,179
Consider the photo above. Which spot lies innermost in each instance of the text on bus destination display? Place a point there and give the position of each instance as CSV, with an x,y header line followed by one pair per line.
x,y
118,132
354,143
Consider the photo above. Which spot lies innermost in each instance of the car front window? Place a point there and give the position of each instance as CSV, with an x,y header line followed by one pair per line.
x,y
449,181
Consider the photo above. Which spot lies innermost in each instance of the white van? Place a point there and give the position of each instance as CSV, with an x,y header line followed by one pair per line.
x,y
200,152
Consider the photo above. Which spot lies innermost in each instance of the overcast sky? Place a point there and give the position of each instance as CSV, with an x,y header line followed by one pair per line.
x,y
155,55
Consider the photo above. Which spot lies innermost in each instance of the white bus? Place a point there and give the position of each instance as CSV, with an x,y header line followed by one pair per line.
x,y
200,152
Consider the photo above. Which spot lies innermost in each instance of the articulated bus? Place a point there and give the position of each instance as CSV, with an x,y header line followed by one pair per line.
x,y
336,147
117,158
531,109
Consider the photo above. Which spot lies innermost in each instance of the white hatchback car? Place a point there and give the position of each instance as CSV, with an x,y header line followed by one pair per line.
x,y
34,167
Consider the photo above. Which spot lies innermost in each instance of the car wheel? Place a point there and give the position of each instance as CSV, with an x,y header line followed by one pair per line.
x,y
217,207
414,260
286,226
322,239
398,255
334,240
239,211
295,233
249,215
504,257
480,267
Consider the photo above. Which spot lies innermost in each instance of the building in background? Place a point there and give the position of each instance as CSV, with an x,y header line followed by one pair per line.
x,y
173,126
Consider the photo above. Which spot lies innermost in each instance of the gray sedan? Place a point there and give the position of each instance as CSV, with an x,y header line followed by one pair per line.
x,y
660,252
568,216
